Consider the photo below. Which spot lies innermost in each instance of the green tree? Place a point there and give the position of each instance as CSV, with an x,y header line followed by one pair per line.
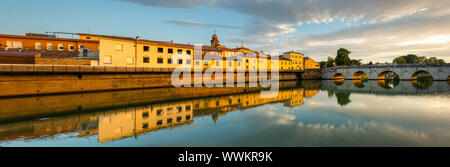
x,y
342,57
330,62
414,59
411,59
399,60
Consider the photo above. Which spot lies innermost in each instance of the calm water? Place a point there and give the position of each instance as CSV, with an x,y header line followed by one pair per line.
x,y
313,113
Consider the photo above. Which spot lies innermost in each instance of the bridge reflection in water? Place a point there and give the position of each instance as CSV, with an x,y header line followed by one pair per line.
x,y
123,114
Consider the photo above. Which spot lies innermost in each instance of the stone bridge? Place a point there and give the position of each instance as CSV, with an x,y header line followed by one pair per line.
x,y
380,71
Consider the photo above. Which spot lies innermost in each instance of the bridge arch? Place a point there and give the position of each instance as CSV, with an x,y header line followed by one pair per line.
x,y
421,74
360,75
358,83
388,84
338,76
388,75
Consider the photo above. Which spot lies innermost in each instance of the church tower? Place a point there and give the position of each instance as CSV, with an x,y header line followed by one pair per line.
x,y
215,41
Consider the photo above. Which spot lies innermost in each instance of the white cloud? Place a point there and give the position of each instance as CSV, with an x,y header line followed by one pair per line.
x,y
377,27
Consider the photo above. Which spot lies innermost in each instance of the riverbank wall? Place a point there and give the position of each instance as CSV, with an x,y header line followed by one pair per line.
x,y
32,80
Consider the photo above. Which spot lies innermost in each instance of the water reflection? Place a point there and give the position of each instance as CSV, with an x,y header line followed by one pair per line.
x,y
300,115
388,83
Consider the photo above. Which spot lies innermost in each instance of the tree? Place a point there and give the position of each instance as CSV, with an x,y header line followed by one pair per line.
x,y
399,60
411,59
355,62
342,57
330,62
414,59
370,63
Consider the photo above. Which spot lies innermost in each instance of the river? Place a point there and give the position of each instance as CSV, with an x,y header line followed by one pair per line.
x,y
304,113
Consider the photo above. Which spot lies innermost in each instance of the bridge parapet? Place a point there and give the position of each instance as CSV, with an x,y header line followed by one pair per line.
x,y
404,71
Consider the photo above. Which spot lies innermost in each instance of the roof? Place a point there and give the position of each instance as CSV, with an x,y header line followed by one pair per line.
x,y
293,52
280,57
44,38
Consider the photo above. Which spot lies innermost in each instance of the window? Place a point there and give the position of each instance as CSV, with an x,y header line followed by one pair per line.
x,y
188,108
229,64
107,60
217,63
179,109
49,46
169,120
160,50
71,47
188,117
188,52
169,61
158,112
180,61
159,123
119,47
145,115
145,126
188,61
206,62
129,60
88,37
146,60
197,63
81,46
61,47
146,48
246,61
178,119
160,60
38,46
14,44
170,50
180,51
239,63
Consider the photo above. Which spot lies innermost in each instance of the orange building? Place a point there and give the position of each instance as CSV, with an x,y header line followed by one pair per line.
x,y
42,42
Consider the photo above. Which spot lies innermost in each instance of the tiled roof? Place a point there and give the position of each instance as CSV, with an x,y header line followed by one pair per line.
x,y
44,38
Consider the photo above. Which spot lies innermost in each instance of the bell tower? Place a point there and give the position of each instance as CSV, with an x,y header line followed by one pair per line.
x,y
215,41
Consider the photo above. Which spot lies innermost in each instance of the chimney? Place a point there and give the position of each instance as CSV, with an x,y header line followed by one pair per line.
x,y
137,38
171,41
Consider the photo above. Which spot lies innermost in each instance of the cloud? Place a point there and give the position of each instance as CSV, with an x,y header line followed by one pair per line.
x,y
173,3
376,28
199,24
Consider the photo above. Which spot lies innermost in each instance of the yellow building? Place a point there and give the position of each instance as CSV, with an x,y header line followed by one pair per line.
x,y
136,52
310,64
284,63
296,60
144,53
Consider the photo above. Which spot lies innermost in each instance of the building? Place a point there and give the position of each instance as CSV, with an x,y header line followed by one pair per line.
x,y
136,52
129,52
296,60
310,64
42,42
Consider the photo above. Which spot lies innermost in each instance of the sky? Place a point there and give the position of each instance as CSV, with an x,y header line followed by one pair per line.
x,y
376,31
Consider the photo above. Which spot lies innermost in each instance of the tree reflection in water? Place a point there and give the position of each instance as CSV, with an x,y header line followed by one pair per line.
x,y
343,98
422,81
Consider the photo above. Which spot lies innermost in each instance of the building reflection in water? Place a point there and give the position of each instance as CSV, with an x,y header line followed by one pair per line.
x,y
124,122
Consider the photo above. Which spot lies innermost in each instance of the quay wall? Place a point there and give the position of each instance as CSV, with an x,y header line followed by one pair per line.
x,y
15,81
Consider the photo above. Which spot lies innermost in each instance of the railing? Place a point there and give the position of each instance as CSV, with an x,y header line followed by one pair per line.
x,y
38,68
